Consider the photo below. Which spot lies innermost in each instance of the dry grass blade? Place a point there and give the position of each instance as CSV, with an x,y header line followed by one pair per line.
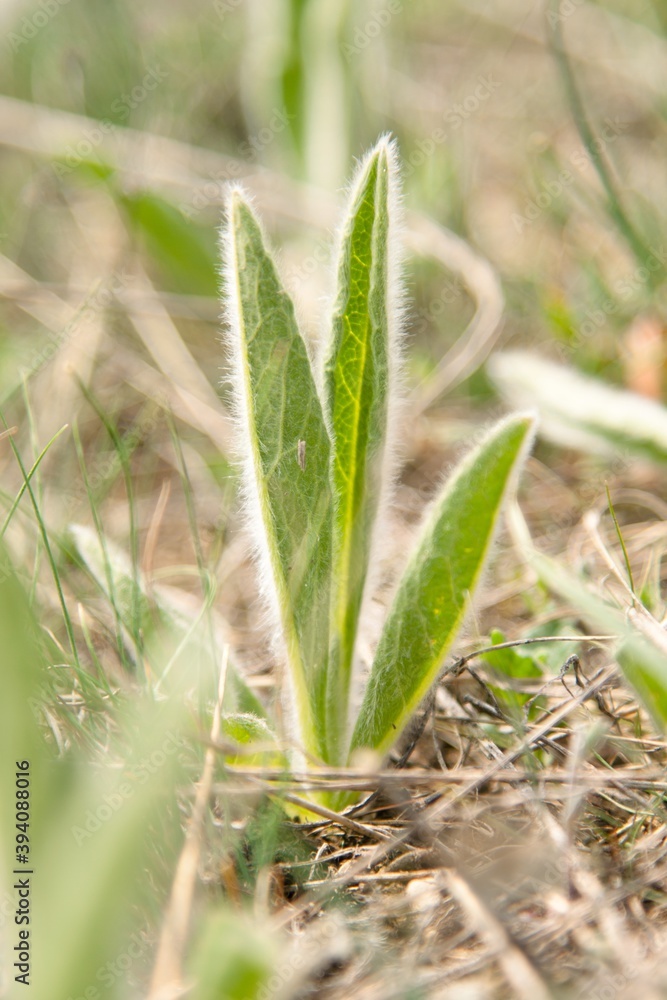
x,y
210,421
76,338
166,162
154,529
142,155
162,339
521,974
33,298
474,345
340,818
166,982
429,820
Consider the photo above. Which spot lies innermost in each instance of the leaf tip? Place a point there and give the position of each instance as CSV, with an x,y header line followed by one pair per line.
x,y
530,418
527,419
387,147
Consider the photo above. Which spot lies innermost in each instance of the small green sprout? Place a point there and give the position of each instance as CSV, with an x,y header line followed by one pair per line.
x,y
317,441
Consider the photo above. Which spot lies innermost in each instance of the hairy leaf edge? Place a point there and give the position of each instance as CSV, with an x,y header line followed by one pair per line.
x,y
427,524
254,506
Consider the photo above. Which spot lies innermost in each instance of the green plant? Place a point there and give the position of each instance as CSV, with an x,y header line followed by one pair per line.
x,y
582,412
640,642
317,439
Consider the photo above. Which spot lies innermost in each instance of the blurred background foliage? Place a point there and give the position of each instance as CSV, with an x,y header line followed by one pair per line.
x,y
473,93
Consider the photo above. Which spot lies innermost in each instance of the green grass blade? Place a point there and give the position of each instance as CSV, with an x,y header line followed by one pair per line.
x,y
31,472
183,250
621,541
69,628
95,512
102,863
124,455
162,613
640,652
434,593
285,447
357,385
207,582
581,412
585,128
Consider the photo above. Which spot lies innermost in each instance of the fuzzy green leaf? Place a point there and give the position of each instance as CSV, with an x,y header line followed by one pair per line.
x,y
244,728
256,742
511,662
581,412
234,957
357,386
514,664
641,656
645,669
286,457
434,593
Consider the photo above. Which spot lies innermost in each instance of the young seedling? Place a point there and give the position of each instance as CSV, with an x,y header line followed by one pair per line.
x,y
316,439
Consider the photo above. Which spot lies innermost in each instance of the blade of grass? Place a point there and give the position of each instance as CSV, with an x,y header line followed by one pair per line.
x,y
435,591
123,458
37,484
619,535
108,573
47,546
31,473
614,204
641,658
